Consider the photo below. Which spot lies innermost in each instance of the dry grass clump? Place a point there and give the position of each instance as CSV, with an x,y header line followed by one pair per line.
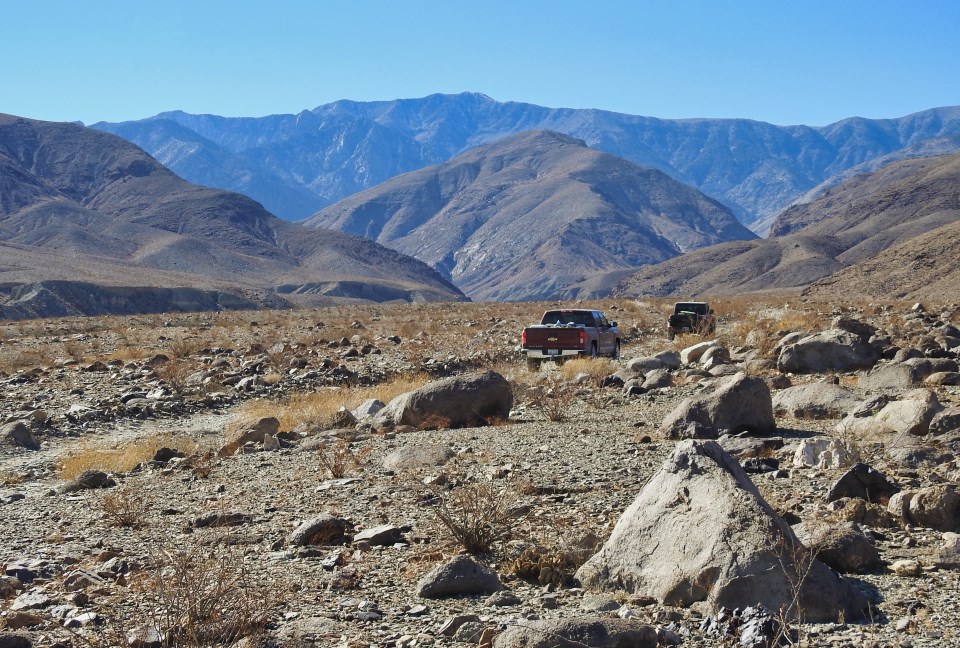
x,y
123,457
24,359
551,561
320,408
596,368
11,478
175,374
761,327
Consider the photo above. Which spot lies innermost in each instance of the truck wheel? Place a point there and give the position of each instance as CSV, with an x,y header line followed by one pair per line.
x,y
593,350
616,351
533,365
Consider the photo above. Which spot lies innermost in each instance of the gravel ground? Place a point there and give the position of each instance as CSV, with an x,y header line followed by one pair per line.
x,y
565,483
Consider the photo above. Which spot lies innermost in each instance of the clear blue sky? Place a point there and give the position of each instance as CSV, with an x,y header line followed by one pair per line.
x,y
782,61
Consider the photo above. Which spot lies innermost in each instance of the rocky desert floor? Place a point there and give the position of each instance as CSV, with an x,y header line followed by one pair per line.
x,y
197,543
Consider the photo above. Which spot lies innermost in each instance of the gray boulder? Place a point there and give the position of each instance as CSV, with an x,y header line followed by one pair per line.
x,y
18,434
693,353
368,409
669,358
740,403
936,507
945,422
461,576
325,529
928,366
948,554
943,379
862,329
643,365
461,401
657,379
89,480
14,640
595,632
814,401
824,453
379,536
701,531
909,416
418,456
842,547
253,432
862,482
833,350
891,376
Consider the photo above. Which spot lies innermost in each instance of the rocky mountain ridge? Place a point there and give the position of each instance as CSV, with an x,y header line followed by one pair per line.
x,y
322,155
77,204
529,216
886,234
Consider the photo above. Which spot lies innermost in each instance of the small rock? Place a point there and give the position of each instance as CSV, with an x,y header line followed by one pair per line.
x,y
460,576
907,568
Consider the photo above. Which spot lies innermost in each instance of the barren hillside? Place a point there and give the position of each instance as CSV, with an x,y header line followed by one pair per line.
x,y
86,200
530,215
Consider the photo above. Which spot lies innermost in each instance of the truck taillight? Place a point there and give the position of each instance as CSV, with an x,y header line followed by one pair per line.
x,y
523,339
583,339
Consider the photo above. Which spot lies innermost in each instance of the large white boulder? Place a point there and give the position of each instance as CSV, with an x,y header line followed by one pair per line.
x,y
700,531
741,403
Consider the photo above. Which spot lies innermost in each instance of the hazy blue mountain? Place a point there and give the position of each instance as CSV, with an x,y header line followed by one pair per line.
x,y
755,168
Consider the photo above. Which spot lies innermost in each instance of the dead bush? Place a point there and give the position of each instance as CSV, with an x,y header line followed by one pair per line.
x,y
595,368
477,514
125,506
203,598
319,409
339,459
552,401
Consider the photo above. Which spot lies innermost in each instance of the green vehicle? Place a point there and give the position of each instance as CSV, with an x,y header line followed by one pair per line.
x,y
691,317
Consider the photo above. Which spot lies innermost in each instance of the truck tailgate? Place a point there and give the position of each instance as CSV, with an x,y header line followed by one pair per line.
x,y
549,337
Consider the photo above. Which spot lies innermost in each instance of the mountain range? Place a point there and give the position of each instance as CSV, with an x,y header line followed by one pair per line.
x,y
530,215
298,163
886,234
83,212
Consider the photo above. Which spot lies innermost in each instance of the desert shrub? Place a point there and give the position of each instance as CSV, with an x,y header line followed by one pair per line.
x,y
551,401
434,422
11,478
125,506
185,347
476,514
198,598
338,459
122,457
175,374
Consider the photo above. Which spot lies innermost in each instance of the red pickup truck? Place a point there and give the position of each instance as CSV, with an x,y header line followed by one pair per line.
x,y
570,332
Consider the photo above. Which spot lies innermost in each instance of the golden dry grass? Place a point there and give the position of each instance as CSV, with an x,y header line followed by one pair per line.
x,y
122,457
595,368
319,408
